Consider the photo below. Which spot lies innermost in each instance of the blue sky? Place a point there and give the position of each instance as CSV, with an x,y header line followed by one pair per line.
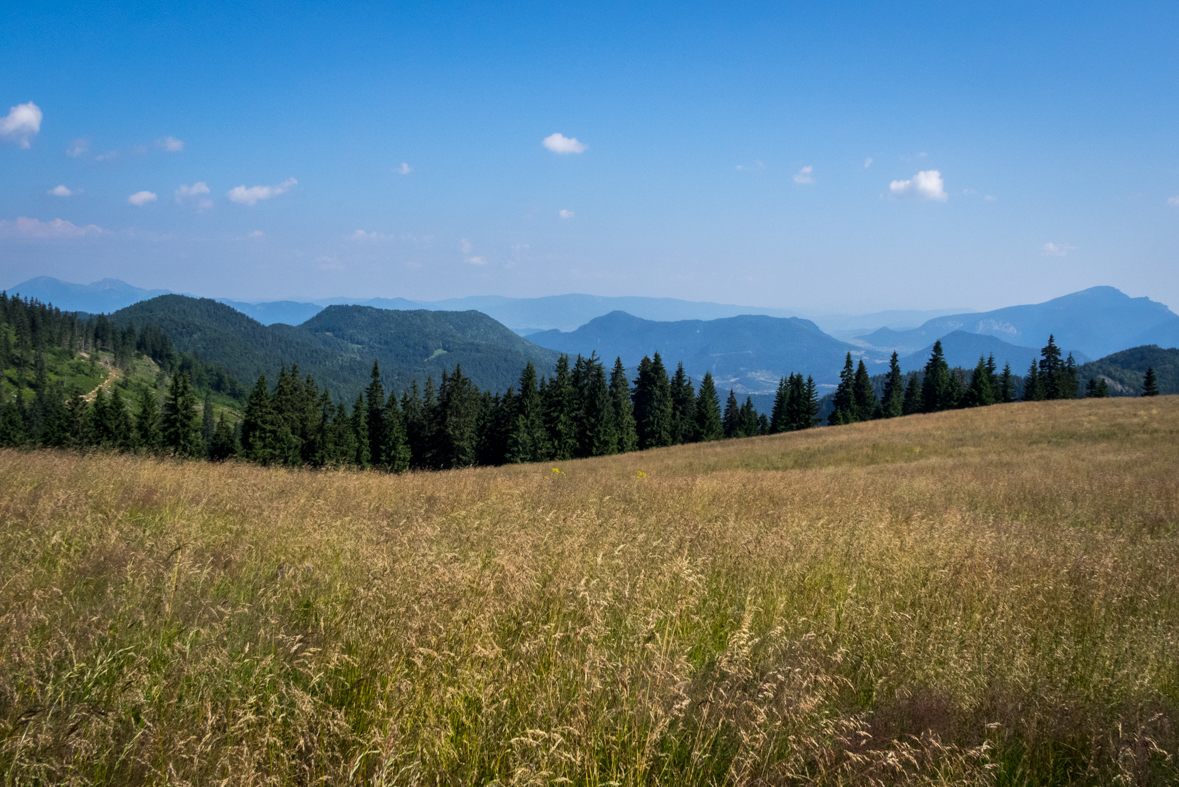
x,y
850,158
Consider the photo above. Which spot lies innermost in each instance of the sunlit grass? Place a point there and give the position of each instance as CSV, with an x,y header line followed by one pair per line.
x,y
984,596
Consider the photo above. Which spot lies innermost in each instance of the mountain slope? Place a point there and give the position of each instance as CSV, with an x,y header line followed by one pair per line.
x,y
748,353
1095,322
1123,371
339,344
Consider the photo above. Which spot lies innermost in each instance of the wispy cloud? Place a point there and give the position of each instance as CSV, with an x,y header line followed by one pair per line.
x,y
1174,201
197,194
251,195
927,184
63,191
404,169
565,214
257,234
867,163
141,198
22,122
170,144
34,229
988,198
805,175
757,165
476,261
79,147
559,143
361,236
1053,250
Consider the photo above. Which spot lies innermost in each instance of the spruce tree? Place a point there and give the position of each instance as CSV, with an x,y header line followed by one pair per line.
x,y
1051,366
750,425
809,412
560,412
843,404
221,445
780,412
528,440
1150,385
913,403
181,424
732,416
1033,385
599,423
458,419
259,429
865,396
620,395
652,404
683,408
936,392
1005,392
980,393
396,449
358,422
208,424
119,426
708,415
893,404
376,419
1096,388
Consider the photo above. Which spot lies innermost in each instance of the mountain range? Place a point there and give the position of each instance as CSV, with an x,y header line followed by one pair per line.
x,y
339,344
523,315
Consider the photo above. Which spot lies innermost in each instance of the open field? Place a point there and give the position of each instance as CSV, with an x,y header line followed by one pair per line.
x,y
987,596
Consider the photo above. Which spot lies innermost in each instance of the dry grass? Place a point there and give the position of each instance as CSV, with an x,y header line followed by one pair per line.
x,y
980,597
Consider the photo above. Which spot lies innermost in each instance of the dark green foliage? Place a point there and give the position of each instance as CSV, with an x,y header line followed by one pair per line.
x,y
597,420
779,414
208,423
981,392
863,394
892,404
936,387
358,423
222,444
1149,383
458,420
181,424
1123,371
561,411
653,404
376,419
1034,389
1005,391
396,451
844,408
683,408
528,440
1096,388
732,417
620,395
259,426
708,414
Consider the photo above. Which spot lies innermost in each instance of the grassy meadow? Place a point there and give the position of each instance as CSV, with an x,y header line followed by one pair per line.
x,y
985,597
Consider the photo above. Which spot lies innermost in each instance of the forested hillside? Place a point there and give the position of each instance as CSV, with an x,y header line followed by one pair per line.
x,y
339,345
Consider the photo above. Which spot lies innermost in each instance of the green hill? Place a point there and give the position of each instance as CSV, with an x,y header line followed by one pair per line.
x,y
338,345
1123,370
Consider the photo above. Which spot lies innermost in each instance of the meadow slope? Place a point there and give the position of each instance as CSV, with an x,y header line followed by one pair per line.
x,y
980,596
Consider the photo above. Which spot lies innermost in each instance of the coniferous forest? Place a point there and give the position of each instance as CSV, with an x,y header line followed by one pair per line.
x,y
52,398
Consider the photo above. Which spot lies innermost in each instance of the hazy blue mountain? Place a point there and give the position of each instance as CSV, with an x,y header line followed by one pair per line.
x,y
1095,322
963,349
104,295
271,312
339,344
1165,335
748,353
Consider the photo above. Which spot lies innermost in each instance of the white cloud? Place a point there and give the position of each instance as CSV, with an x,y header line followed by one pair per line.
x,y
926,184
170,144
565,214
196,194
23,121
1052,250
79,147
988,198
476,261
758,165
110,154
141,198
63,191
804,175
329,263
404,169
372,237
465,246
35,229
559,143
249,196
867,163
257,234
1173,201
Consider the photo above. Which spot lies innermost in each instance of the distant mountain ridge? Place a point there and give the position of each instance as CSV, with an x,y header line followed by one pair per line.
x,y
964,349
338,345
1097,321
748,353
